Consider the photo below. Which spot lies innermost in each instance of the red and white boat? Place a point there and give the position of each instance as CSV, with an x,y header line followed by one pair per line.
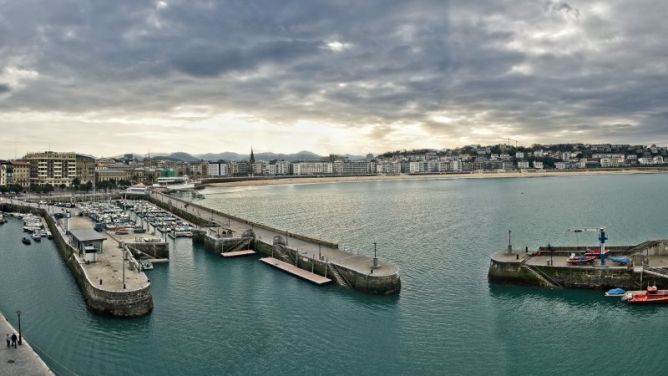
x,y
650,296
580,260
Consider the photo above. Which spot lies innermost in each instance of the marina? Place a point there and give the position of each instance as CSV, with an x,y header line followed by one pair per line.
x,y
200,297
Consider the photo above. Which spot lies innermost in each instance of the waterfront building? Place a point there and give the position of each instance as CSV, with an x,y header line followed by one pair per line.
x,y
52,168
312,168
104,174
85,168
538,165
239,168
282,167
5,173
393,168
215,169
348,168
21,173
522,164
259,167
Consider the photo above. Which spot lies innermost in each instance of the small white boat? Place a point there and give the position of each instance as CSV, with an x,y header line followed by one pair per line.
x,y
36,237
146,265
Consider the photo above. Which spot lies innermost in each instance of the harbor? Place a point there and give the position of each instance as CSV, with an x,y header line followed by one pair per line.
x,y
262,318
110,278
588,266
109,243
367,274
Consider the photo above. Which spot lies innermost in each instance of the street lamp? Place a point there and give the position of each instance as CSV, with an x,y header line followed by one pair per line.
x,y
18,313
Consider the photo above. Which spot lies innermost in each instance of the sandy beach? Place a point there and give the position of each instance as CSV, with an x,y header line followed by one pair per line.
x,y
475,175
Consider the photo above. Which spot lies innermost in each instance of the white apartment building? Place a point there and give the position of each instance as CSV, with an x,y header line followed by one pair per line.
x,y
312,168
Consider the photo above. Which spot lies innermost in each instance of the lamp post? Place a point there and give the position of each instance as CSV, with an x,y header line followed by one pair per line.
x,y
124,258
18,313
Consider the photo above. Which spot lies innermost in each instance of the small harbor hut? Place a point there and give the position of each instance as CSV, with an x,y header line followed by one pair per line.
x,y
88,242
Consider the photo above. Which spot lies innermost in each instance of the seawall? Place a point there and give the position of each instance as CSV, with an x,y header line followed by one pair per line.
x,y
127,303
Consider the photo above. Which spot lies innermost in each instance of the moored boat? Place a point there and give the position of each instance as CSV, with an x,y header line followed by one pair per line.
x,y
146,265
25,240
615,292
36,237
580,260
650,296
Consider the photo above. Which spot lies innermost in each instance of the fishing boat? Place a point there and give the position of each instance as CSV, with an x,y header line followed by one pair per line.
x,y
146,265
580,260
36,237
650,296
25,240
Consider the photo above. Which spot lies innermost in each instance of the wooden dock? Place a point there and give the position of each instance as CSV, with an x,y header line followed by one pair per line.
x,y
245,252
301,273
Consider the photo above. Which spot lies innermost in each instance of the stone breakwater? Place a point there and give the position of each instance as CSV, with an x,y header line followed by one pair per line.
x,y
308,253
549,268
99,298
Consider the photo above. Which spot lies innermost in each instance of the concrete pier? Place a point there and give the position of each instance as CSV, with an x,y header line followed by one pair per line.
x,y
22,361
324,258
549,267
101,282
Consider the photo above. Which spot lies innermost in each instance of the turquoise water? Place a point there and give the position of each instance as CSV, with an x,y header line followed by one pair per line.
x,y
215,316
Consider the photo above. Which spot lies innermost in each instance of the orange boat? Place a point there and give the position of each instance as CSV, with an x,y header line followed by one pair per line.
x,y
651,295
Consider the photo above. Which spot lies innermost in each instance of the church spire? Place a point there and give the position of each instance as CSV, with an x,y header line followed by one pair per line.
x,y
252,156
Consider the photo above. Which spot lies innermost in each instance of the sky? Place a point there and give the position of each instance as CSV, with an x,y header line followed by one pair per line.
x,y
110,77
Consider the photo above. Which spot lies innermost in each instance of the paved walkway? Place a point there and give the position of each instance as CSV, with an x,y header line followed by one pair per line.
x,y
22,361
359,263
109,263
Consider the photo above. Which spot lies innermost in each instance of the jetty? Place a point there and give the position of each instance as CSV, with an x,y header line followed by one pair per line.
x,y
22,360
220,231
549,266
107,274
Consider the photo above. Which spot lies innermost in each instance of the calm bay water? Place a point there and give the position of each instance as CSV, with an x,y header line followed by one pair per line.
x,y
215,316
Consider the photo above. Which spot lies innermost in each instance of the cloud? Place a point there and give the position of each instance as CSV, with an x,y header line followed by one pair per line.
x,y
388,74
4,88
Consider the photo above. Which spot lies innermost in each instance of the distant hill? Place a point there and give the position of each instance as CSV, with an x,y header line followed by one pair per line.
x,y
303,155
228,156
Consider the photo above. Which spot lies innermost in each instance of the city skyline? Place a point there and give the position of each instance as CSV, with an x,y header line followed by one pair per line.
x,y
198,77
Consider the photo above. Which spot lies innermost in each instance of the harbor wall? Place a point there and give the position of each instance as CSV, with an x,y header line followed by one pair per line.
x,y
341,275
513,272
157,250
203,222
586,277
130,303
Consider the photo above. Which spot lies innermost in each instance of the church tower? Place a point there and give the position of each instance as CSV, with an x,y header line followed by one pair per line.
x,y
252,156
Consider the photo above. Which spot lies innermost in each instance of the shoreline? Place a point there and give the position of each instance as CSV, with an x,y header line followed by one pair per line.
x,y
371,178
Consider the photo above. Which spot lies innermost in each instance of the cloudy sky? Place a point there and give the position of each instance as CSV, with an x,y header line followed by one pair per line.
x,y
107,77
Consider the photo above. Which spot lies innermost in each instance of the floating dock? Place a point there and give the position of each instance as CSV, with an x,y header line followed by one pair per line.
x,y
301,273
245,252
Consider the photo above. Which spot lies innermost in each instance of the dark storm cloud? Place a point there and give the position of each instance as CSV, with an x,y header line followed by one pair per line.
x,y
538,70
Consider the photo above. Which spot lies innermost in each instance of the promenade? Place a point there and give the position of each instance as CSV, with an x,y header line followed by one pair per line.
x,y
22,361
